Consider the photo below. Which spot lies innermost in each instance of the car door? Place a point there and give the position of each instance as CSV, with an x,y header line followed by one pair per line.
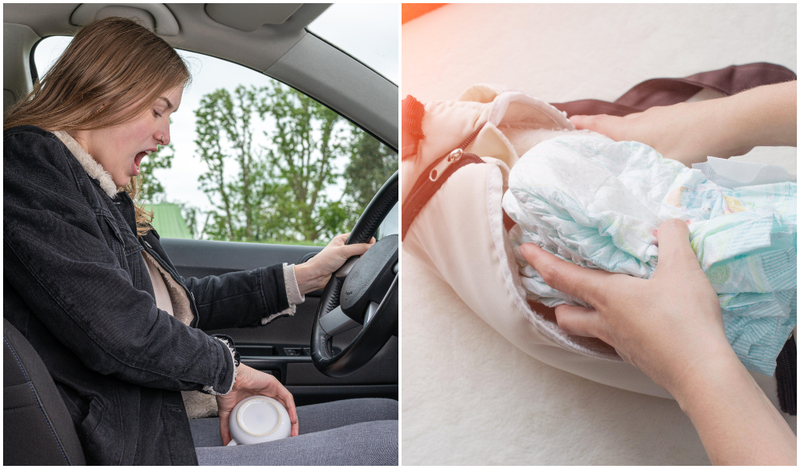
x,y
282,347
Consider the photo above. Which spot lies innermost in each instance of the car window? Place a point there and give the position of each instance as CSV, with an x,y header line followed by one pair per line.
x,y
390,224
254,160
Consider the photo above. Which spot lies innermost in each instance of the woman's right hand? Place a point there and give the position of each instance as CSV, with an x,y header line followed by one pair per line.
x,y
670,327
686,132
251,382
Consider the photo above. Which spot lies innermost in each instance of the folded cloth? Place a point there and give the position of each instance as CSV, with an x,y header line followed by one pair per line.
x,y
598,203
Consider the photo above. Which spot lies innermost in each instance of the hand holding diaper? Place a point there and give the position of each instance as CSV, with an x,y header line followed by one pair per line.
x,y
597,204
660,325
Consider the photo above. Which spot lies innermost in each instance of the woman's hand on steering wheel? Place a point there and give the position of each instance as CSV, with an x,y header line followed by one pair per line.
x,y
316,273
251,382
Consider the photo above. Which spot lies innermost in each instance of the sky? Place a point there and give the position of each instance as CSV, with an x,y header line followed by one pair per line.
x,y
369,32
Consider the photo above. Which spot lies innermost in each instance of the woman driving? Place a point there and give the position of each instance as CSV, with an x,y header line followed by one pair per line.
x,y
89,285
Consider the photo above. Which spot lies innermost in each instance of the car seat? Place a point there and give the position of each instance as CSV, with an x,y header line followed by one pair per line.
x,y
37,429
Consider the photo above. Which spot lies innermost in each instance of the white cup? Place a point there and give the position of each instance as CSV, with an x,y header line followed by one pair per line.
x,y
258,419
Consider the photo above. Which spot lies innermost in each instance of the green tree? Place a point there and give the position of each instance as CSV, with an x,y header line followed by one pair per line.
x,y
371,164
275,190
225,134
302,152
191,214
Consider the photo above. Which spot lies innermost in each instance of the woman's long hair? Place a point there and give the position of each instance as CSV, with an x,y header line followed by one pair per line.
x,y
112,71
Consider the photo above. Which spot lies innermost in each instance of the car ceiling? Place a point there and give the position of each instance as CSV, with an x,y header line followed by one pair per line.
x,y
270,38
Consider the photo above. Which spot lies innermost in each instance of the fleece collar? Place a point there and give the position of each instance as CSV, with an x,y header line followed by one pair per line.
x,y
94,169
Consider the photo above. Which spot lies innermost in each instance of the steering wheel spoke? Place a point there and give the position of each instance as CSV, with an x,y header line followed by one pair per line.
x,y
346,268
336,322
372,309
362,291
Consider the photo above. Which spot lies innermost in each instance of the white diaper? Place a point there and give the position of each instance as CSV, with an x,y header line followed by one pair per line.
x,y
598,203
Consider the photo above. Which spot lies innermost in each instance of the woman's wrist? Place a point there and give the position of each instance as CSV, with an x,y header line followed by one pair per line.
x,y
722,127
766,115
705,377
308,279
762,116
735,420
709,128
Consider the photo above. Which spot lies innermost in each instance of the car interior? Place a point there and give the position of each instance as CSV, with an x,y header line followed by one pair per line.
x,y
271,39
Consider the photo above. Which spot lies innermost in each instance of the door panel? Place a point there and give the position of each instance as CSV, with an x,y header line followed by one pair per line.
x,y
280,347
195,258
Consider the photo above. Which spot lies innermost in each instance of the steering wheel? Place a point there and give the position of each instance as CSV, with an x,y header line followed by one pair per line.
x,y
362,292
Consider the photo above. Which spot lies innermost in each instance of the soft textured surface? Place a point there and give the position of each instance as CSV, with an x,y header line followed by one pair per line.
x,y
468,395
471,398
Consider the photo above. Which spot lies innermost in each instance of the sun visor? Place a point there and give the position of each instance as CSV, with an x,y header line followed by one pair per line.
x,y
249,17
153,16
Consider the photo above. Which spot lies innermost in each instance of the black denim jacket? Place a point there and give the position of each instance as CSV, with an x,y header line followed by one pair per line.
x,y
77,287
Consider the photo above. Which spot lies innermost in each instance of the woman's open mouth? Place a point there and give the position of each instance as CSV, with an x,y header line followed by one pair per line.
x,y
137,161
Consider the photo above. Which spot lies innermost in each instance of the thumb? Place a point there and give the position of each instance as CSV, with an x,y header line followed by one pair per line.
x,y
586,284
350,250
224,426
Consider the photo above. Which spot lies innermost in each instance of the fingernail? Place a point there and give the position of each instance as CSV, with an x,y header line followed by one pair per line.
x,y
525,249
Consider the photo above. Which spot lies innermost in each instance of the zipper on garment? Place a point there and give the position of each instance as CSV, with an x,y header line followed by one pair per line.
x,y
431,180
441,167
434,176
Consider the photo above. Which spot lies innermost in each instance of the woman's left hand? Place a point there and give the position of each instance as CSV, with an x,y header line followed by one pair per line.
x,y
316,273
251,382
